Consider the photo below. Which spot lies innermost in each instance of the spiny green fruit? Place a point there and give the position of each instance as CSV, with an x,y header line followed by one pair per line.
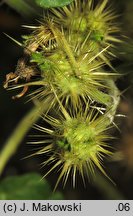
x,y
89,82
70,49
76,142
68,53
94,23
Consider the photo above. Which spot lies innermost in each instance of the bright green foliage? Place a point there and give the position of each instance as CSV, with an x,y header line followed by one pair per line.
x,y
52,3
26,187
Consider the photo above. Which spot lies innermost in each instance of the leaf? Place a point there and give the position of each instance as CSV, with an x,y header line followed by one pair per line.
x,y
27,187
37,57
43,63
53,3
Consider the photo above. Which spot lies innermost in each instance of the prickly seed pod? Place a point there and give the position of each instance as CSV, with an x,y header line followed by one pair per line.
x,y
69,50
87,81
93,22
42,37
70,63
77,143
78,48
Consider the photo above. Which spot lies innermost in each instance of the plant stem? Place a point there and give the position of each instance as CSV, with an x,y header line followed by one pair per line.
x,y
22,7
66,48
21,130
69,53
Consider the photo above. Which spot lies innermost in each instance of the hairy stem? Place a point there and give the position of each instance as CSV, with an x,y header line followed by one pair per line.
x,y
70,55
66,48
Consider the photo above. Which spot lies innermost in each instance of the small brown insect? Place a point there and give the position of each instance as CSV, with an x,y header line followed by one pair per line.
x,y
22,72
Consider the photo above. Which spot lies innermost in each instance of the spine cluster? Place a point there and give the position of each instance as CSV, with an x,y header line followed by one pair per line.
x,y
69,57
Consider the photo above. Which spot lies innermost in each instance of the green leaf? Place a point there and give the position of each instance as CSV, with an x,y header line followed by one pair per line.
x,y
37,57
27,187
53,3
43,63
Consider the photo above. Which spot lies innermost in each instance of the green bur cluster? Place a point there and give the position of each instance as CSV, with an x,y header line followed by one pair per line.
x,y
70,49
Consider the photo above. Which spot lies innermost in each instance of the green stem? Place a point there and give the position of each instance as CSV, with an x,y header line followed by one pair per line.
x,y
21,130
69,53
25,9
66,48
